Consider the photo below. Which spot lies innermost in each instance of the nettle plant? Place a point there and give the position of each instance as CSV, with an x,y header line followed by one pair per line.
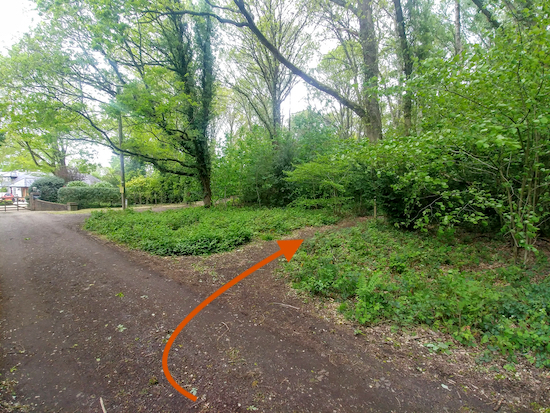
x,y
485,146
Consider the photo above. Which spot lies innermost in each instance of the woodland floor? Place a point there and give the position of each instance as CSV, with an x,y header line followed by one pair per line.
x,y
82,319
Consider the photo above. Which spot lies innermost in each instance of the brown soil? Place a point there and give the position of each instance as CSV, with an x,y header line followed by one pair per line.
x,y
84,320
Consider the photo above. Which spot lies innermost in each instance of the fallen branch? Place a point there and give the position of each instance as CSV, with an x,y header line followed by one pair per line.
x,y
286,305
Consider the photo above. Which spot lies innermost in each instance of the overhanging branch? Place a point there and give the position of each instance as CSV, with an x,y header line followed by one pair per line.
x,y
298,72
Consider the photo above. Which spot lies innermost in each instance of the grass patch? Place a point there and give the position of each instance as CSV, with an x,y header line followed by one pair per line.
x,y
465,287
197,231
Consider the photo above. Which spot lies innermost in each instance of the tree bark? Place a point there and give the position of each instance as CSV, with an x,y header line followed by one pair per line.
x,y
369,46
458,36
207,191
276,108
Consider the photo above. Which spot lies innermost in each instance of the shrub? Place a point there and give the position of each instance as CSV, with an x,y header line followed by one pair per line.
x,y
103,184
48,187
77,184
161,188
89,197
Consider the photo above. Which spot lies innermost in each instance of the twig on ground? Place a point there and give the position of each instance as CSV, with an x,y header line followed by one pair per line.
x,y
286,305
102,405
222,334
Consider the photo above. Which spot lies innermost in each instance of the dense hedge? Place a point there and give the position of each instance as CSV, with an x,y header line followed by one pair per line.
x,y
89,197
48,187
77,184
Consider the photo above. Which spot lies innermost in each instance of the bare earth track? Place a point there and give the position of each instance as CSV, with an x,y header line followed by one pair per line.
x,y
83,319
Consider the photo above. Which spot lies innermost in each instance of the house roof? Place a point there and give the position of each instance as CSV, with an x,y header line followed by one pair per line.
x,y
90,179
24,182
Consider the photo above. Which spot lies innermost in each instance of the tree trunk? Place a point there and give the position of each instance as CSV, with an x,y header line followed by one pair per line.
x,y
204,178
407,65
369,46
458,37
276,109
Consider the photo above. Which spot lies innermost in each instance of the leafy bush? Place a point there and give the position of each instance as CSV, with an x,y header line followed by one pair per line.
x,y
102,184
254,167
77,184
48,187
195,231
161,188
89,197
471,290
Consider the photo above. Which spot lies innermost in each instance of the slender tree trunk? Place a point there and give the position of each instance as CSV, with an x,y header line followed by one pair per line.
x,y
407,65
369,46
276,117
458,37
276,109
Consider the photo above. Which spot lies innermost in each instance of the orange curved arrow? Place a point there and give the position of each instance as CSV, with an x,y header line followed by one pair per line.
x,y
288,249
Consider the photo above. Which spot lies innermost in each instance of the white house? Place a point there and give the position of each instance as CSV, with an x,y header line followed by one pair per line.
x,y
20,188
18,183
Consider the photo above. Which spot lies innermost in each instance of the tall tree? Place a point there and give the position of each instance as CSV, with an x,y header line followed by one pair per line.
x,y
142,59
262,80
368,109
38,133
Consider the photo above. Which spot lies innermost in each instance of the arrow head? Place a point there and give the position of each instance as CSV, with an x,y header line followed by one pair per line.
x,y
289,247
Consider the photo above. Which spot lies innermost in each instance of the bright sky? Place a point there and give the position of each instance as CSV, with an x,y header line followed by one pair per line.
x,y
15,19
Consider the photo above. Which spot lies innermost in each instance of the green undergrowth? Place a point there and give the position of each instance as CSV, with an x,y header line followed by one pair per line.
x,y
196,231
466,286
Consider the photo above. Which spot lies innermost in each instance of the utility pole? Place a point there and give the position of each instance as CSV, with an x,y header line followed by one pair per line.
x,y
122,178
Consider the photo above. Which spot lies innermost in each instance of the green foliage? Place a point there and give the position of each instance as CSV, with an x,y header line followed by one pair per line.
x,y
89,197
48,187
255,168
313,135
500,161
479,157
471,290
102,184
163,188
322,182
195,231
77,184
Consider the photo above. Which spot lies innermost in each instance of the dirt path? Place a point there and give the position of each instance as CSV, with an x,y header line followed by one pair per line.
x,y
82,320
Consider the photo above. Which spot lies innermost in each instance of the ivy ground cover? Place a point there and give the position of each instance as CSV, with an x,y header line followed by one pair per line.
x,y
464,285
196,231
